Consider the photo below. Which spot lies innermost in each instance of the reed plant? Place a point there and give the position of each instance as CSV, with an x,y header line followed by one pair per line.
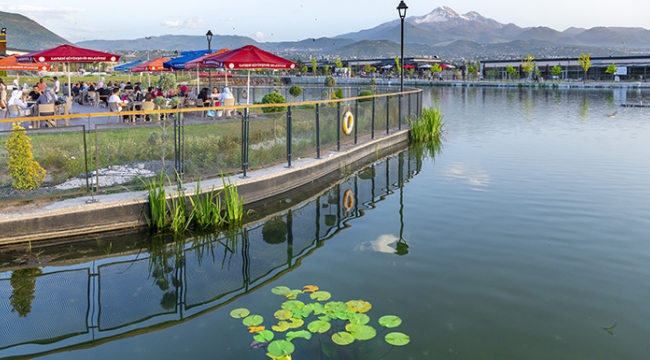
x,y
207,208
234,204
159,212
428,127
180,220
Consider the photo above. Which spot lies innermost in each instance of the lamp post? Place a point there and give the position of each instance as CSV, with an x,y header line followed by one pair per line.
x,y
208,35
148,38
401,9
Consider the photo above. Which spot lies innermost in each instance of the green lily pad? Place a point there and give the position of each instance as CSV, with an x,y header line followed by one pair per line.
x,y
345,315
317,308
240,313
318,326
278,348
335,306
282,326
293,305
320,295
360,319
293,294
342,338
324,318
253,320
264,336
390,321
359,306
296,323
397,339
283,314
280,290
361,332
304,334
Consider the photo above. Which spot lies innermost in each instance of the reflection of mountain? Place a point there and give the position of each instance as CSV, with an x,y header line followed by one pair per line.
x,y
172,282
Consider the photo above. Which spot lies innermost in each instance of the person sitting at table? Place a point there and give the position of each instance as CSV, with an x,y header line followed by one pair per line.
x,y
115,98
137,93
48,97
182,90
35,93
104,93
204,97
100,84
225,94
215,94
128,86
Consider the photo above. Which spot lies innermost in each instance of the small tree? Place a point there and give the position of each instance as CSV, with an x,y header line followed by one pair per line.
x,y
327,69
338,94
295,91
338,63
366,93
556,70
511,71
471,69
528,64
167,82
273,98
611,69
330,82
436,69
398,65
314,65
367,68
26,173
492,73
304,69
585,64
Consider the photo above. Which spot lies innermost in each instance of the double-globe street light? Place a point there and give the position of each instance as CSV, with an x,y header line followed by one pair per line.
x,y
208,35
401,9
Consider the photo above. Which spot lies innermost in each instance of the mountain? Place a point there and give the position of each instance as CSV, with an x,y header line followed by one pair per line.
x,y
372,49
25,34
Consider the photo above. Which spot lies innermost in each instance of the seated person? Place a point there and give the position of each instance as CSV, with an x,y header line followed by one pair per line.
x,y
115,98
204,97
35,93
225,94
128,86
15,99
215,94
49,97
137,93
104,93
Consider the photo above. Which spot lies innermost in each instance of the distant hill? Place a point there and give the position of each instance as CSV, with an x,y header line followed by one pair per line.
x,y
372,49
26,34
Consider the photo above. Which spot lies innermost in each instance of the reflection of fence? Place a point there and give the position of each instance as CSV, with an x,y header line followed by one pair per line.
x,y
170,283
200,144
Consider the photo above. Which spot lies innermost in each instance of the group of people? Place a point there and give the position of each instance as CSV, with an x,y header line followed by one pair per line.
x,y
26,103
215,97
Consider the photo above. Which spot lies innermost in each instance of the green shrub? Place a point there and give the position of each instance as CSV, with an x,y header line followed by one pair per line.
x,y
273,98
338,93
366,93
295,91
26,173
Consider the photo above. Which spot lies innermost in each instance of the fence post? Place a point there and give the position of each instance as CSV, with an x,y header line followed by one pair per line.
x,y
387,114
338,126
244,141
399,112
317,132
409,100
372,121
356,117
83,130
289,137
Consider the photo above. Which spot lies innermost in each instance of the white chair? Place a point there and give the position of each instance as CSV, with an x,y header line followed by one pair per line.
x,y
47,110
114,111
147,105
228,102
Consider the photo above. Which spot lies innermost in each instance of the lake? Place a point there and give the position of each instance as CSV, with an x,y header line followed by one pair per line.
x,y
525,237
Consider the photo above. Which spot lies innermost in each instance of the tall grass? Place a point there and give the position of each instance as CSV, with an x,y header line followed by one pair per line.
x,y
207,208
234,204
159,212
428,127
180,220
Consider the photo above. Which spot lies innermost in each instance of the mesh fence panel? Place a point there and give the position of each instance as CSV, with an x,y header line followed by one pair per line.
x,y
267,253
267,140
212,147
303,228
303,137
28,314
328,127
128,294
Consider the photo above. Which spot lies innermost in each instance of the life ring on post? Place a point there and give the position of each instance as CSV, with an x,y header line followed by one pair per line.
x,y
348,123
348,200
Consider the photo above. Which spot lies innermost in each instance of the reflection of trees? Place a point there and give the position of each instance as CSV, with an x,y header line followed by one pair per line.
x,y
165,262
23,282
584,109
275,230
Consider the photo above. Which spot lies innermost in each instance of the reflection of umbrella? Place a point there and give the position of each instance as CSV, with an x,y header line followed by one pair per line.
x,y
248,57
68,54
10,63
151,65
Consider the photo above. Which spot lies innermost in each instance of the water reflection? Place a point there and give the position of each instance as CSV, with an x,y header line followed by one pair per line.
x,y
171,280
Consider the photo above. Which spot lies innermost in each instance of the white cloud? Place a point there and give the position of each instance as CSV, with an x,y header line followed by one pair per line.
x,y
474,177
259,35
195,22
42,13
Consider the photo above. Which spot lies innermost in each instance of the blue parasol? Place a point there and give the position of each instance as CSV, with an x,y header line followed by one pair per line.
x,y
127,66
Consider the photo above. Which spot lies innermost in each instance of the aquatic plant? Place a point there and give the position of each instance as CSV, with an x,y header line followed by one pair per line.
x,y
158,209
342,323
428,127
207,208
180,220
234,203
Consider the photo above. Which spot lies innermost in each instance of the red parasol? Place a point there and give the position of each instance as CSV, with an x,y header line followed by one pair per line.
x,y
10,63
151,65
68,54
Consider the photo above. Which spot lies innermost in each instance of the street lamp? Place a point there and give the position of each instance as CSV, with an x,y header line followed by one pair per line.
x,y
148,38
401,9
175,53
208,36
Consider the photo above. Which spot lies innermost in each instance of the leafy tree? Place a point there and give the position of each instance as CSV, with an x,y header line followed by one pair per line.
x,y
585,64
556,70
338,93
492,73
167,82
295,91
367,68
366,93
436,68
611,69
330,82
26,173
398,66
511,71
528,64
338,63
327,69
471,69
304,69
314,65
273,98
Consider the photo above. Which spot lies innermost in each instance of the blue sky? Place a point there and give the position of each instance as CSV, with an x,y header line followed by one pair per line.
x,y
266,20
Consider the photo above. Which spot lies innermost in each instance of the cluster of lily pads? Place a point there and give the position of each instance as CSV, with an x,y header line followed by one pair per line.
x,y
294,314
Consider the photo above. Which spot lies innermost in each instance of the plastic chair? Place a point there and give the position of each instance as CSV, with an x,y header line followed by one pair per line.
x,y
228,102
113,107
47,110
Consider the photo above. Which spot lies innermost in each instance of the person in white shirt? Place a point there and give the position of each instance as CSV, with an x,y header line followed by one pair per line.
x,y
115,98
16,83
57,85
225,94
16,99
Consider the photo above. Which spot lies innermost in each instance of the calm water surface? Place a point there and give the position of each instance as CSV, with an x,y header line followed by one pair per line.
x,y
525,238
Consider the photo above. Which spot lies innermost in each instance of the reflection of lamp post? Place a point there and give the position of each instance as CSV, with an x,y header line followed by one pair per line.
x,y
401,9
208,35
402,247
148,38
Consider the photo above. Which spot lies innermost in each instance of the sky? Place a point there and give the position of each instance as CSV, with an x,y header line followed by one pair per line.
x,y
265,20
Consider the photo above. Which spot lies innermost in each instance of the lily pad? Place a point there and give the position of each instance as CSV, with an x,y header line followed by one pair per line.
x,y
342,338
320,296
254,329
335,306
304,334
283,314
360,319
359,306
280,290
318,326
264,336
397,339
292,294
317,308
253,320
390,321
240,313
282,326
279,348
309,288
361,332
296,323
292,305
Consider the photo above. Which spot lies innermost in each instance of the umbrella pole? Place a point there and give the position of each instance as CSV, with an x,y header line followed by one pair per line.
x,y
149,78
226,72
69,87
248,87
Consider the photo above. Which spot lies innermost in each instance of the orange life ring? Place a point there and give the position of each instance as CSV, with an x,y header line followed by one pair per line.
x,y
348,200
348,123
